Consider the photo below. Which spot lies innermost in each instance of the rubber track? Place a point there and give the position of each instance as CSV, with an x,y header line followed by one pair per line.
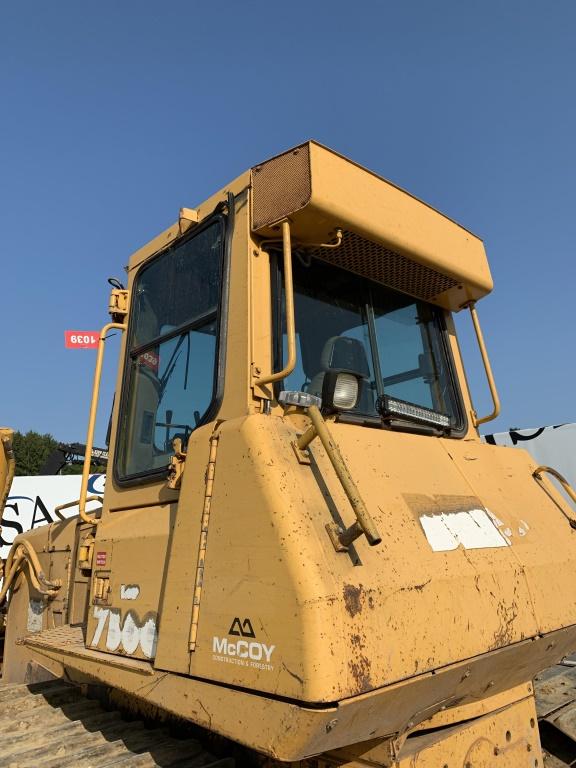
x,y
52,725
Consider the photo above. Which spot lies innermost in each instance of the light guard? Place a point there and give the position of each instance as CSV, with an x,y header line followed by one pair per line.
x,y
298,399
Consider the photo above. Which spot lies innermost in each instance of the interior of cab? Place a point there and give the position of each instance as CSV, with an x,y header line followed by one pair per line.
x,y
396,345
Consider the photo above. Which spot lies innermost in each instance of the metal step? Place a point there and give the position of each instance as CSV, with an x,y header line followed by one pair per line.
x,y
70,641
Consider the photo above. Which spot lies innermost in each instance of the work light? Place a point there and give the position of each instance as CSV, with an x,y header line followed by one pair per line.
x,y
392,407
340,390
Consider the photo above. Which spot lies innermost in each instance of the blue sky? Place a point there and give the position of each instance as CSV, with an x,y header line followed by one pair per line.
x,y
114,115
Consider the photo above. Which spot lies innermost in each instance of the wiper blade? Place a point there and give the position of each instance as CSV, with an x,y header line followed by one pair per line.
x,y
171,366
414,427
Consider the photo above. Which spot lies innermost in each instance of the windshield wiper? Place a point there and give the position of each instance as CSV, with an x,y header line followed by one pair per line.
x,y
401,425
167,375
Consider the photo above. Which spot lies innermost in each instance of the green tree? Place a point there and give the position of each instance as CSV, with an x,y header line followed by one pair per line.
x,y
76,469
31,451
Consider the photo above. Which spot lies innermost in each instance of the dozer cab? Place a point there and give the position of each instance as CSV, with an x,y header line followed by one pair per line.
x,y
303,546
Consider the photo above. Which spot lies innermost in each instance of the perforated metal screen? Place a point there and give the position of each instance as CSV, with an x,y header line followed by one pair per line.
x,y
369,259
280,186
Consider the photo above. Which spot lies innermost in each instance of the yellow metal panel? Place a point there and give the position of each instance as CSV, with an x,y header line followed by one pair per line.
x,y
345,195
287,731
507,739
542,538
345,623
165,238
178,584
130,555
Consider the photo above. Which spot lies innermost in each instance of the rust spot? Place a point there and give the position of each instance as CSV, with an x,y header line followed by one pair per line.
x,y
439,504
505,634
417,587
352,599
357,641
360,671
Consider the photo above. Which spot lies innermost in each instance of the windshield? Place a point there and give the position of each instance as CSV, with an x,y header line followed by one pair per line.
x,y
394,342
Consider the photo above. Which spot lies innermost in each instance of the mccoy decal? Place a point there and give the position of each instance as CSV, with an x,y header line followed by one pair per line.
x,y
241,629
243,653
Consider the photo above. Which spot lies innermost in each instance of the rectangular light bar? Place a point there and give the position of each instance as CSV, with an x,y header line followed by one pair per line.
x,y
391,406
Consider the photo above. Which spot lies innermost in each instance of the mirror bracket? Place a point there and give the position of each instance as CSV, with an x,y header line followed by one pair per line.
x,y
176,466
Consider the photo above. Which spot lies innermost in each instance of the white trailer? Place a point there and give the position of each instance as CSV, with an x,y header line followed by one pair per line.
x,y
31,502
553,446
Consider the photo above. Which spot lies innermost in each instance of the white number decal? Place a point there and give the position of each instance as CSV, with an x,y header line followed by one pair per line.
x,y
127,635
101,614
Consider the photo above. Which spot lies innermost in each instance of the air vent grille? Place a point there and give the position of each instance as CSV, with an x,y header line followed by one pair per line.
x,y
281,186
369,259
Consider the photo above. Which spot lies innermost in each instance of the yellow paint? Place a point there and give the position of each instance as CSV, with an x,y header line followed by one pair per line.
x,y
242,616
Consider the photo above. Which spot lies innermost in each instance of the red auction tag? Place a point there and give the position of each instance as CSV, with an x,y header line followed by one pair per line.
x,y
81,339
149,360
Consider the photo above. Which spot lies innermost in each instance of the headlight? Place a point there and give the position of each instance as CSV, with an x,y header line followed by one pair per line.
x,y
340,391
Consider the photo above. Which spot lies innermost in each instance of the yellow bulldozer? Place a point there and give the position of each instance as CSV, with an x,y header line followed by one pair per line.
x,y
303,547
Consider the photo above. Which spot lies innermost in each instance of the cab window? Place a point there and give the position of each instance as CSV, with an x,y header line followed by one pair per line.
x,y
172,350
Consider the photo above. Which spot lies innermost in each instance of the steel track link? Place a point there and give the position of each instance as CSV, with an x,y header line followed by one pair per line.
x,y
53,725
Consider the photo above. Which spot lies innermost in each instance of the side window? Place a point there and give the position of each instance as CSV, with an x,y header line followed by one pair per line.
x,y
401,337
413,363
171,354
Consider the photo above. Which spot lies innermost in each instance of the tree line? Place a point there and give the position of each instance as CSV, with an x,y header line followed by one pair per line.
x,y
32,449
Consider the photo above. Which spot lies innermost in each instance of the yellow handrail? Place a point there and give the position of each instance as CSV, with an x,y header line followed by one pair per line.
x,y
92,421
537,475
487,368
290,325
69,504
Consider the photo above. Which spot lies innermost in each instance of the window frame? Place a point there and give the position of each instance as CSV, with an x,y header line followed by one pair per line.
x,y
458,432
220,314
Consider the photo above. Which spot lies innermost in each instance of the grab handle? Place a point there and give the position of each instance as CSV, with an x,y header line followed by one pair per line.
x,y
92,421
537,475
289,300
487,368
83,515
364,523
